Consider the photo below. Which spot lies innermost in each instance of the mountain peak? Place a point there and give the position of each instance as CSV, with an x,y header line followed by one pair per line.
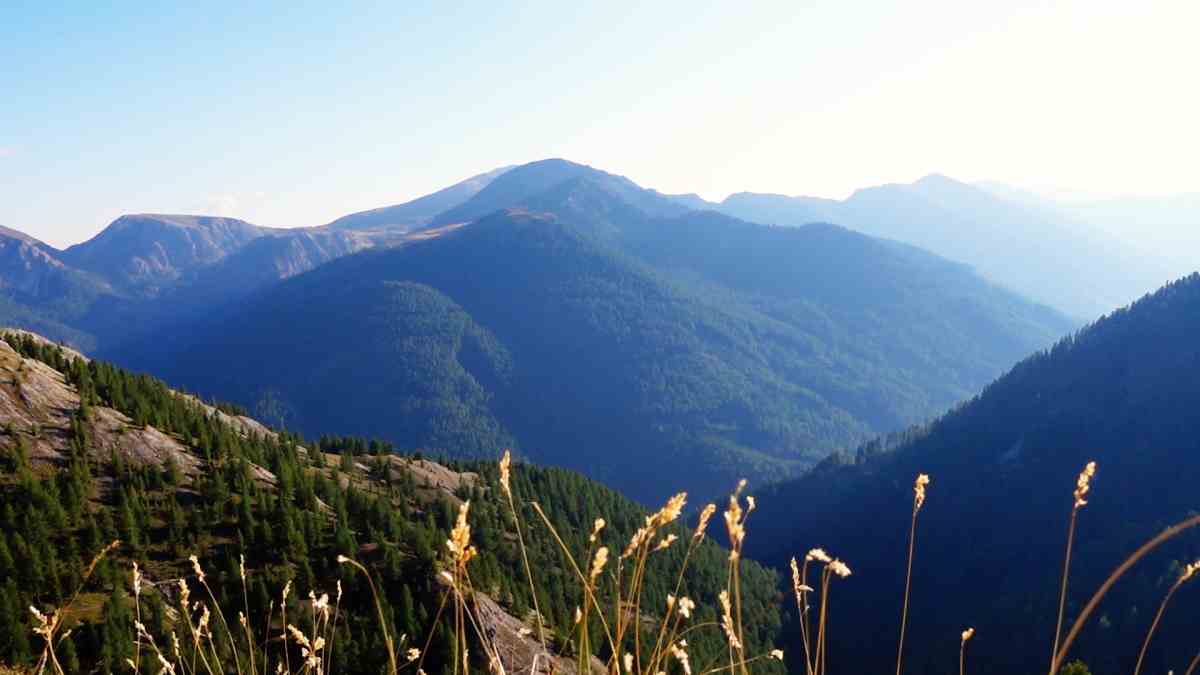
x,y
939,179
420,211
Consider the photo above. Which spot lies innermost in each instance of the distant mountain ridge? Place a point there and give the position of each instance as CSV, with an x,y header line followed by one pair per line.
x,y
593,316
563,310
1038,252
144,253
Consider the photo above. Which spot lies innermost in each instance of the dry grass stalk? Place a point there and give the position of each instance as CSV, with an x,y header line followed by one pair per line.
x,y
919,485
1189,571
962,649
1082,487
1151,544
48,625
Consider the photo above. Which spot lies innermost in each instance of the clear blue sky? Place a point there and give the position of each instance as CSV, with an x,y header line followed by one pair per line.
x,y
293,113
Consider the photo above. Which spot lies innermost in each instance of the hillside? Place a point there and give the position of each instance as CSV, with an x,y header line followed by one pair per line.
x,y
39,291
90,453
1038,252
1122,392
606,346
154,272
143,253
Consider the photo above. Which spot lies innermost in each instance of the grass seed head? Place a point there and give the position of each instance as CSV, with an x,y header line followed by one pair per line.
x,y
196,567
459,543
598,562
1189,571
967,635
819,555
505,463
919,490
596,527
705,516
1083,484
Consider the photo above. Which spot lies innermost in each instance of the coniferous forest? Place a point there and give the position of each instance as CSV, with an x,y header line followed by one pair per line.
x,y
242,497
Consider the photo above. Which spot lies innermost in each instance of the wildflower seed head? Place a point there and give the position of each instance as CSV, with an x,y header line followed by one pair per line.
x,y
459,542
839,568
705,516
505,463
196,567
635,542
727,622
671,510
596,527
321,604
777,654
184,594
678,650
46,623
686,606
300,638
819,555
1189,571
413,654
167,667
919,490
967,635
735,520
798,586
598,562
1083,484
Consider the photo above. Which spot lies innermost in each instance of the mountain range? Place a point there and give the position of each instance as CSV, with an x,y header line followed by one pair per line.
x,y
655,342
552,307
588,322
1034,247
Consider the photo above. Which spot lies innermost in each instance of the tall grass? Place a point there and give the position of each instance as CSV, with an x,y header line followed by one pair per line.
x,y
213,647
919,486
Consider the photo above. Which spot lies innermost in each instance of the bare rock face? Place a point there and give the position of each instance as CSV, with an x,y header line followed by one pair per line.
x,y
37,405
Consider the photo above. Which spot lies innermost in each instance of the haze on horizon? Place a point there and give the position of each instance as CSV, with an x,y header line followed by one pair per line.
x,y
296,114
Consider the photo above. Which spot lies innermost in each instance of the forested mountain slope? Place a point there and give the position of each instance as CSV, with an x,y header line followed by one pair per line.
x,y
90,453
1123,392
616,344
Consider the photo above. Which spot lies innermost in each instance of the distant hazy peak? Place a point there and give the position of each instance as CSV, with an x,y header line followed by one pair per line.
x,y
10,233
419,211
189,221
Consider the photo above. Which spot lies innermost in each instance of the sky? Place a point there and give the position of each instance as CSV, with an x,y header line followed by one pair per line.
x,y
295,113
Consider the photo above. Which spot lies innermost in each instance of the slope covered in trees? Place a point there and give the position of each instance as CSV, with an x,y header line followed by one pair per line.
x,y
91,453
626,340
1123,392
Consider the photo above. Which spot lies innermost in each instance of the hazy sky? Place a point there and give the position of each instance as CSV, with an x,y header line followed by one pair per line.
x,y
294,113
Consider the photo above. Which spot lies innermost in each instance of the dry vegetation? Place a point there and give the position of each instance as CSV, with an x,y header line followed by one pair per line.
x,y
264,645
